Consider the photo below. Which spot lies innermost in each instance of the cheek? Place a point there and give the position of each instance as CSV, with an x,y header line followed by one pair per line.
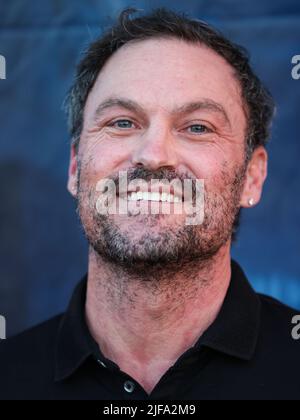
x,y
205,164
101,160
209,161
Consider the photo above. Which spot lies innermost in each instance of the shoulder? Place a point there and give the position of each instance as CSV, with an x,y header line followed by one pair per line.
x,y
26,354
274,311
31,340
278,330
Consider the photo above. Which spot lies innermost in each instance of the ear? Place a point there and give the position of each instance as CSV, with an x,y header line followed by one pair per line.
x,y
73,172
256,175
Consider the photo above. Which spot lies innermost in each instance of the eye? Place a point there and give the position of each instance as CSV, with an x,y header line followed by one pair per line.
x,y
121,124
199,129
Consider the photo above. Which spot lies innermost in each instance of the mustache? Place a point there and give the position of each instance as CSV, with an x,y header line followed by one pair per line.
x,y
147,175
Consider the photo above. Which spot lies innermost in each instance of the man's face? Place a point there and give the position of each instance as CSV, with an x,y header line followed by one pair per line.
x,y
160,141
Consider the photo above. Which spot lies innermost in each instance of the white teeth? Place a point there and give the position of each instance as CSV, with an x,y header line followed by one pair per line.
x,y
164,197
132,196
139,195
170,198
155,196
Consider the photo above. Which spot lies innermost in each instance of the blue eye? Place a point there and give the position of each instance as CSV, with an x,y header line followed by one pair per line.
x,y
121,124
200,128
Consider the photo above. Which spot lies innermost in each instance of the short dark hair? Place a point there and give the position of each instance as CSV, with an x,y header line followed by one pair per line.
x,y
165,23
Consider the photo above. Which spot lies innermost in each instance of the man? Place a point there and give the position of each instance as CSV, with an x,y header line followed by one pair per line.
x,y
164,312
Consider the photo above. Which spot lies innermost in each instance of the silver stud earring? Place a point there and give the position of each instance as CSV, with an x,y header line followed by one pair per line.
x,y
251,201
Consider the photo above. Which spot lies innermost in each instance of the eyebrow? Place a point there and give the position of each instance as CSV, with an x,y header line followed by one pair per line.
x,y
203,104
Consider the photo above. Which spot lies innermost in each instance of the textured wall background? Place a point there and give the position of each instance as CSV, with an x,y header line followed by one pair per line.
x,y
42,250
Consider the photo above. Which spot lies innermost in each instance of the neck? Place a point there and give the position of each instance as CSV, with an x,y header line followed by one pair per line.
x,y
144,320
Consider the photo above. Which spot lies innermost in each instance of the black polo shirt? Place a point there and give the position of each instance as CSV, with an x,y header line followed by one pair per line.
x,y
247,353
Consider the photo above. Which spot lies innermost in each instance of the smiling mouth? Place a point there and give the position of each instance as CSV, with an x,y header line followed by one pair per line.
x,y
153,196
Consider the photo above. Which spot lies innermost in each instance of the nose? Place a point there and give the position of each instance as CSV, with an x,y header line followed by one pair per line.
x,y
155,150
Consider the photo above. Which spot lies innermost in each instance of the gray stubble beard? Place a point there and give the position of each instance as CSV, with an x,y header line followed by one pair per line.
x,y
169,251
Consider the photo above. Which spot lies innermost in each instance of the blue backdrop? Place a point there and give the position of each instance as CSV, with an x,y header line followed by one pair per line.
x,y
43,252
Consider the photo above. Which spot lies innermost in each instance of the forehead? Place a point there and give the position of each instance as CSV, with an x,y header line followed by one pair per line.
x,y
161,73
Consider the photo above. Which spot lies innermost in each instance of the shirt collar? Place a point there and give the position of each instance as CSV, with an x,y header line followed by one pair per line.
x,y
73,345
236,328
234,332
